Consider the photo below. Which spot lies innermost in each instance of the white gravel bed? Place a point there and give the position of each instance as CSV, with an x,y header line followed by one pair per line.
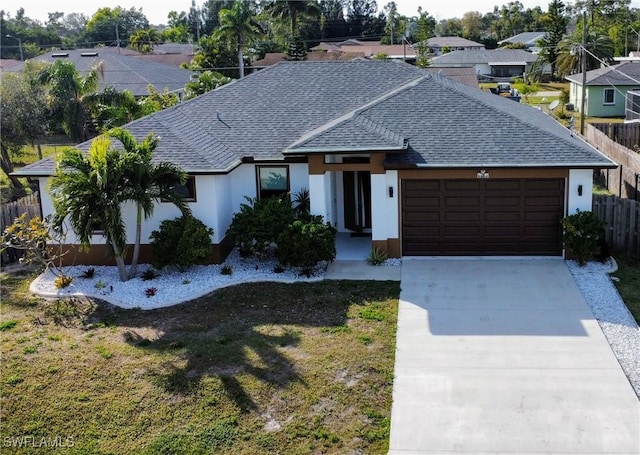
x,y
617,323
171,287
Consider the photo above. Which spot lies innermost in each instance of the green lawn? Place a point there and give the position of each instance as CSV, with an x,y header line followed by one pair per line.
x,y
252,369
629,285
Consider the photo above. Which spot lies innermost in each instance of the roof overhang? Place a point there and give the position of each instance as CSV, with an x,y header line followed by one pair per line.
x,y
507,63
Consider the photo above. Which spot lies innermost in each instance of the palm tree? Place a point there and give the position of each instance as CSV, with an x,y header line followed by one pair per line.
x,y
237,24
71,95
292,10
89,190
144,40
599,49
147,182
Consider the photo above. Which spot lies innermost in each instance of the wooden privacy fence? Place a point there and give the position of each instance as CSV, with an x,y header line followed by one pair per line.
x,y
622,216
625,179
625,134
12,210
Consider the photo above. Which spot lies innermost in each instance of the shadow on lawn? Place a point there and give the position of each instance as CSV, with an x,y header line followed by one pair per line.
x,y
251,329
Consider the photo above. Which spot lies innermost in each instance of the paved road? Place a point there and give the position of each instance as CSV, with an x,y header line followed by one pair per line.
x,y
504,356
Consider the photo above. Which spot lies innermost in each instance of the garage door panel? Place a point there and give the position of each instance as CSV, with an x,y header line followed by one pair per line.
x,y
502,201
502,216
461,185
461,216
503,185
462,201
482,217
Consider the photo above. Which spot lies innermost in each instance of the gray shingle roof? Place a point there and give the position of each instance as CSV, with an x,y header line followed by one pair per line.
x,y
123,71
474,57
451,41
527,38
627,73
429,120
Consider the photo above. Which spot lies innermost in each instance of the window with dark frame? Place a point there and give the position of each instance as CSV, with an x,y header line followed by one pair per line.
x,y
273,181
188,190
609,96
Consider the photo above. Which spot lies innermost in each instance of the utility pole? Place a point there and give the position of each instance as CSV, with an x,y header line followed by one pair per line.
x,y
118,37
19,45
584,70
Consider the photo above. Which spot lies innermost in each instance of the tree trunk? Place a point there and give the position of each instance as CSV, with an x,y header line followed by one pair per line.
x,y
122,268
133,268
240,61
39,151
7,167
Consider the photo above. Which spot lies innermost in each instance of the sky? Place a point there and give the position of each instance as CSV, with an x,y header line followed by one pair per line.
x,y
156,10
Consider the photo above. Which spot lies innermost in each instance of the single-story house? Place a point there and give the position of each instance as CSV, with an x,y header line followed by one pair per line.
x,y
123,70
421,163
528,39
439,45
489,64
606,89
370,49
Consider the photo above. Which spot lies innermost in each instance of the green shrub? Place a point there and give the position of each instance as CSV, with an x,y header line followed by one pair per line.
x,y
183,241
581,235
62,281
377,256
305,243
257,225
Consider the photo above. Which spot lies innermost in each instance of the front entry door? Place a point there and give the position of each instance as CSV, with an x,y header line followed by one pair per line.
x,y
357,200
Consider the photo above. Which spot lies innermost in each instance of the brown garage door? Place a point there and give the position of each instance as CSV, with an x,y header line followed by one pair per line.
x,y
482,217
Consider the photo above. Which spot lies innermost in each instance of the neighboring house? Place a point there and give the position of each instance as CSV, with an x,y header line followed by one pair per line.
x,y
528,39
370,49
443,44
123,69
423,164
606,89
173,54
490,64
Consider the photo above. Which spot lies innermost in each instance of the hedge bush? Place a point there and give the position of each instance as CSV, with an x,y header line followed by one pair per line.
x,y
255,228
184,241
581,235
304,243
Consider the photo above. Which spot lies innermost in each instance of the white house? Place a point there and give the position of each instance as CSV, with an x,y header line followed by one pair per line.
x,y
423,164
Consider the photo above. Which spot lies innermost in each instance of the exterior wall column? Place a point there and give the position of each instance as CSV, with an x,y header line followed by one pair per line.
x,y
384,212
579,178
320,195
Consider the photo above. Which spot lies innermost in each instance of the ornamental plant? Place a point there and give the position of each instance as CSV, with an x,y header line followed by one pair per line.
x,y
184,241
581,235
255,228
304,243
40,239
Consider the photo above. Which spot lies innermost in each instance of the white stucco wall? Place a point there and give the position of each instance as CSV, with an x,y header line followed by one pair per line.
x,y
577,178
384,208
218,197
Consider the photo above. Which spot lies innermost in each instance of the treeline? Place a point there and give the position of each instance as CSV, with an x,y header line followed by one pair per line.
x,y
281,21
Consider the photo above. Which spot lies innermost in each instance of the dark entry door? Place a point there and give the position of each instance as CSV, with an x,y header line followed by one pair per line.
x,y
357,200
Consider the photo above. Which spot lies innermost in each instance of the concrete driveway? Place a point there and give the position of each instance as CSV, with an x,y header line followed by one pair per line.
x,y
505,356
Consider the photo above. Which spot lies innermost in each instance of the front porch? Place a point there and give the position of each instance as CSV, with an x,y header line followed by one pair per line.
x,y
352,248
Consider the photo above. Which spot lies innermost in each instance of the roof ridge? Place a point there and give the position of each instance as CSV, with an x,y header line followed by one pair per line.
x,y
354,113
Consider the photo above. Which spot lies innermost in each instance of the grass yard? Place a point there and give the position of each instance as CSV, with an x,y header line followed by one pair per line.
x,y
629,284
252,369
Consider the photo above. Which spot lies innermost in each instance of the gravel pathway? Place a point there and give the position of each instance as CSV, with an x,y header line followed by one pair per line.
x,y
618,325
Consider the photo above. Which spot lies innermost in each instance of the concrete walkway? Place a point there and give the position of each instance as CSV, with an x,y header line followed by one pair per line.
x,y
504,356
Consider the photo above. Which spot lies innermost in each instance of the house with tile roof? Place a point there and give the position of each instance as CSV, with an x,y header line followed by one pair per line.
x,y
490,64
605,89
423,164
123,70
